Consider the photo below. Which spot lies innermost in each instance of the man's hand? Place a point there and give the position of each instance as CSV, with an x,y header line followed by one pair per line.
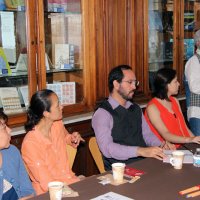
x,y
75,139
168,146
152,152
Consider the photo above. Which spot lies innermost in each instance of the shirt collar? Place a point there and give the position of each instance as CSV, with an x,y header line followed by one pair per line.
x,y
115,104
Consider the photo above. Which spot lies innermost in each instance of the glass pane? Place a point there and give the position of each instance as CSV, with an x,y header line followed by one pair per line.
x,y
13,56
160,31
189,27
64,55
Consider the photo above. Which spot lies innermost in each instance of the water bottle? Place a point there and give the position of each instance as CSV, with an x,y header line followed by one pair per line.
x,y
196,158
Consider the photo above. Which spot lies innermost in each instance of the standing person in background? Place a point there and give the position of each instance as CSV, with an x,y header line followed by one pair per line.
x,y
44,146
121,130
14,181
192,87
163,112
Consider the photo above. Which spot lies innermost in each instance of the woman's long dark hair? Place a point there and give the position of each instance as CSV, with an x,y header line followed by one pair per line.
x,y
40,102
163,77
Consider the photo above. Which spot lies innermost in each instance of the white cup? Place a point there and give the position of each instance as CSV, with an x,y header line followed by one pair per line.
x,y
177,159
55,190
118,172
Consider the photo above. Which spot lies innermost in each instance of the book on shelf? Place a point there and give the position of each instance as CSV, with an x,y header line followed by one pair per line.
x,y
155,5
56,5
72,6
23,93
15,5
8,35
22,62
74,32
188,48
189,21
4,66
10,100
2,5
64,56
66,91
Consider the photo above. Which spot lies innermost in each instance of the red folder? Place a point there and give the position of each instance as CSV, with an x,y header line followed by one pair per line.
x,y
133,172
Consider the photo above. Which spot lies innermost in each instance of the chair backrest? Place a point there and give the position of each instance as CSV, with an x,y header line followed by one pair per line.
x,y
96,154
71,152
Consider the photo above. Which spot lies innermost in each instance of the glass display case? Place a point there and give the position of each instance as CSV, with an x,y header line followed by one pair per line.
x,y
13,55
160,33
190,26
171,26
44,44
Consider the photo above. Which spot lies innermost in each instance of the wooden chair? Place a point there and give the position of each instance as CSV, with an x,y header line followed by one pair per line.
x,y
96,154
71,152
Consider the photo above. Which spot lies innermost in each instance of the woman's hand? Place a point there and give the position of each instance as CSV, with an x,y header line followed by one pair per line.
x,y
168,146
196,139
75,139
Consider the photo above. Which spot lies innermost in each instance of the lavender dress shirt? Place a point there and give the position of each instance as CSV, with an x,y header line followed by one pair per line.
x,y
102,123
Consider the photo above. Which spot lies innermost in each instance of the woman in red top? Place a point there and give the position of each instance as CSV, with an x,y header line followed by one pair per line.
x,y
163,112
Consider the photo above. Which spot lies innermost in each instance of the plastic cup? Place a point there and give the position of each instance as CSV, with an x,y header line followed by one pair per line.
x,y
177,159
55,190
118,172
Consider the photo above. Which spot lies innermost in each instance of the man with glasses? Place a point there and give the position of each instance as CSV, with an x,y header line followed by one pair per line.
x,y
121,131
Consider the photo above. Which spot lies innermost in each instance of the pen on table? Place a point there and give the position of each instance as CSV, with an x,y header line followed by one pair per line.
x,y
194,194
187,148
192,189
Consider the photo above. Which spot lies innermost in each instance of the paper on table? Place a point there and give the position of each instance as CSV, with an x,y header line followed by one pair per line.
x,y
111,196
188,157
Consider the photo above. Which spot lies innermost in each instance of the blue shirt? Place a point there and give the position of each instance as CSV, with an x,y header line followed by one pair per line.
x,y
13,171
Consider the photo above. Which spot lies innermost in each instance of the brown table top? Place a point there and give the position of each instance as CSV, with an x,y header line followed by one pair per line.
x,y
160,182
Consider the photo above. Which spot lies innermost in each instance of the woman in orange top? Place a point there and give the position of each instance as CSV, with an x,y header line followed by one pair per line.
x,y
163,112
44,146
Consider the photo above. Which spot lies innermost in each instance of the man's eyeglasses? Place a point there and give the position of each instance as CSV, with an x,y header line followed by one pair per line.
x,y
135,82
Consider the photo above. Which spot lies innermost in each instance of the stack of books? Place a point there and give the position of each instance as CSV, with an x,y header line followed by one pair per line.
x,y
56,5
